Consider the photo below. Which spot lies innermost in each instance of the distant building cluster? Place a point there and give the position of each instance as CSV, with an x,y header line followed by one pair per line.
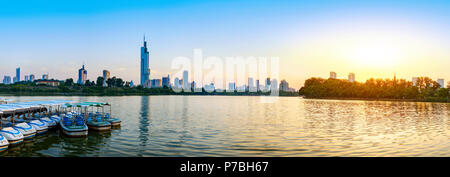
x,y
351,78
251,85
27,78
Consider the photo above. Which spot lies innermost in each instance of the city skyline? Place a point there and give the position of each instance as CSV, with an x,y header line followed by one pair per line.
x,y
408,39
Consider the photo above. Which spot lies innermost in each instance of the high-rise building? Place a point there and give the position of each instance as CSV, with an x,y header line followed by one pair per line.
x,y
257,85
193,85
131,84
17,75
284,85
155,83
185,80
45,77
176,82
267,84
231,86
26,78
82,76
351,77
166,81
274,85
251,87
414,81
32,77
210,87
7,80
106,76
145,68
333,75
441,83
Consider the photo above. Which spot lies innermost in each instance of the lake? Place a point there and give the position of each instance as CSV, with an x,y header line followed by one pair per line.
x,y
198,126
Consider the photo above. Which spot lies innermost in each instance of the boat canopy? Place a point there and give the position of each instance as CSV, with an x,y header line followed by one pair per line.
x,y
33,106
85,104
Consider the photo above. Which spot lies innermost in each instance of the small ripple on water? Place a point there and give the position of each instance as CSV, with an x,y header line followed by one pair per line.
x,y
243,126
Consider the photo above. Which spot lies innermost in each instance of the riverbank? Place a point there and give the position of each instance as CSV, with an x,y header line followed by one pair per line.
x,y
116,91
435,100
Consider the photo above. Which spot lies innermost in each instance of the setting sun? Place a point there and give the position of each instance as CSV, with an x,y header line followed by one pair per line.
x,y
375,56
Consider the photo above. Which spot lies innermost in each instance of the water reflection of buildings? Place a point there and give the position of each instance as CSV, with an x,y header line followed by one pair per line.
x,y
143,124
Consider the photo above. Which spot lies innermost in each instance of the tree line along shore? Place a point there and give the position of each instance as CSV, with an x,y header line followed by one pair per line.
x,y
314,88
425,89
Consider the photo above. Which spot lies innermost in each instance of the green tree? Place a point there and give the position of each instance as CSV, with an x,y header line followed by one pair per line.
x,y
100,81
68,82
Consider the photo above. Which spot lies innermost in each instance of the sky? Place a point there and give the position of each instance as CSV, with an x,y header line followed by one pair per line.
x,y
311,38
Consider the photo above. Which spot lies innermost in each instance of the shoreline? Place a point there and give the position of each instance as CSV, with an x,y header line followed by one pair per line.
x,y
174,94
380,99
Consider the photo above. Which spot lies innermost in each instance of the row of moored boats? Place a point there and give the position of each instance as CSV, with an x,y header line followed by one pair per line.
x,y
26,120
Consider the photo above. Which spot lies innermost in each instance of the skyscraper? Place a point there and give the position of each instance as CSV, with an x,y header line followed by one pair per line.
x,y
414,81
145,69
45,77
267,86
333,75
176,82
131,84
251,87
441,83
32,77
351,77
7,80
26,78
257,85
274,85
82,76
284,85
166,81
17,75
231,86
186,80
105,77
155,83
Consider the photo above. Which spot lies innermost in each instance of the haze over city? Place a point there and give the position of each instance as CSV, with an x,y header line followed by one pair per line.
x,y
311,38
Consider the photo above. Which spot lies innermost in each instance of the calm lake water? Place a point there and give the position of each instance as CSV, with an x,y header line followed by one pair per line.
x,y
245,126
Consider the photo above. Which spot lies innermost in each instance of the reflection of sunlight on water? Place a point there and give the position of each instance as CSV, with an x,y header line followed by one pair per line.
x,y
243,126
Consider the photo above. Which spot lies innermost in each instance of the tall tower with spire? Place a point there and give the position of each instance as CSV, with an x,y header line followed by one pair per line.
x,y
145,69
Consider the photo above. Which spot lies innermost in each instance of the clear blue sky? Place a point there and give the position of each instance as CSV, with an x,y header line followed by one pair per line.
x,y
56,37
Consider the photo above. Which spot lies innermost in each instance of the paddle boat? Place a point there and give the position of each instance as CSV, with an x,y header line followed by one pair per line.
x,y
50,115
93,121
73,125
44,112
3,141
12,135
23,109
19,122
97,123
115,122
26,129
